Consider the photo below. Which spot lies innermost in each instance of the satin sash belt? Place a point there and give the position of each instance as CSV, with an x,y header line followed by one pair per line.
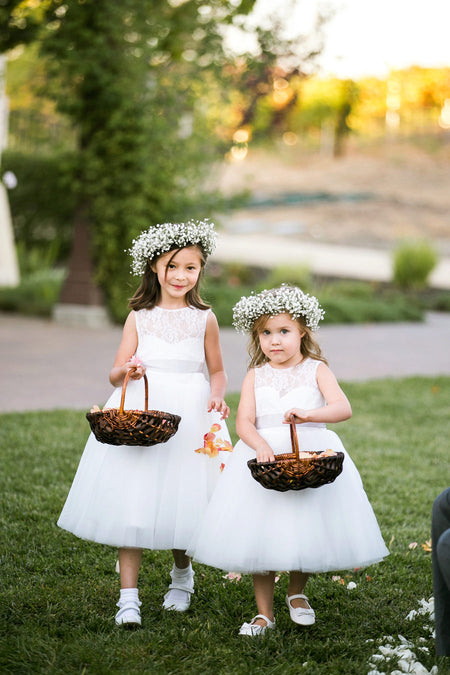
x,y
175,366
265,421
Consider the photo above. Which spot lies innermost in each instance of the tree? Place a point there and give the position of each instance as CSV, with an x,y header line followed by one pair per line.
x,y
143,83
124,74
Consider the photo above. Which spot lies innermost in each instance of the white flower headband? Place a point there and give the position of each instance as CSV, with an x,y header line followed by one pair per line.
x,y
285,299
161,238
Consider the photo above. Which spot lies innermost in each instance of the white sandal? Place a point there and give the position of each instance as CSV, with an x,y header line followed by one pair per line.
x,y
304,616
253,628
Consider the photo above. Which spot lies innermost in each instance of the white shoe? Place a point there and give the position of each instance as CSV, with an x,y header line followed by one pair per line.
x,y
129,614
178,597
253,628
304,616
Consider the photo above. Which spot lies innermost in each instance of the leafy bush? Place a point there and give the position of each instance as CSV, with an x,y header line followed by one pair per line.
x,y
297,276
413,263
43,202
36,294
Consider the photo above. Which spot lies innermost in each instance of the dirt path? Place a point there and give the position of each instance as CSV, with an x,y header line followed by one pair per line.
x,y
372,200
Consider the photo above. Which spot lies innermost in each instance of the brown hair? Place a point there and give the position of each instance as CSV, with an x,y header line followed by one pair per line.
x,y
148,294
309,348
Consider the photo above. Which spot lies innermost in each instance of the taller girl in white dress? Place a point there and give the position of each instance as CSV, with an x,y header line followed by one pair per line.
x,y
151,497
248,528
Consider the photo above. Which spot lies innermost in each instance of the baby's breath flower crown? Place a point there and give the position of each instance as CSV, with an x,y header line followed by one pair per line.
x,y
283,300
160,239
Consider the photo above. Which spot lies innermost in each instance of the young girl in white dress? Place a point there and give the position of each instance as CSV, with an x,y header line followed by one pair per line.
x,y
135,497
248,528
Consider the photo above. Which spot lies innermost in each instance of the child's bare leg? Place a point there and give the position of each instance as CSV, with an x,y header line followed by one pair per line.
x,y
264,585
297,583
180,558
130,562
129,614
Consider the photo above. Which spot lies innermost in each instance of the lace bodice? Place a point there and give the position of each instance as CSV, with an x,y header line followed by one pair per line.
x,y
171,334
278,389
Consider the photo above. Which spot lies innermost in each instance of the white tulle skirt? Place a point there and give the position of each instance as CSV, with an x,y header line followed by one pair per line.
x,y
149,497
248,528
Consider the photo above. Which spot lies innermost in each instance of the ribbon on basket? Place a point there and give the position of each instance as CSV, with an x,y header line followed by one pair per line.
x,y
116,426
289,471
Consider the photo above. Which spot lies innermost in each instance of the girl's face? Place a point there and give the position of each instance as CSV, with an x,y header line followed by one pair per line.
x,y
280,340
178,274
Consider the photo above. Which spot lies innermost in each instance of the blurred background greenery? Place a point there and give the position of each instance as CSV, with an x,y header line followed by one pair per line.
x,y
120,113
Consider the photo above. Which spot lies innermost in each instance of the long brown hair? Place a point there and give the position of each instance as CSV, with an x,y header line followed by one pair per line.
x,y
148,294
309,348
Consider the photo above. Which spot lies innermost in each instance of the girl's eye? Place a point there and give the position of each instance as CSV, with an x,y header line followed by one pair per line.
x,y
266,332
283,331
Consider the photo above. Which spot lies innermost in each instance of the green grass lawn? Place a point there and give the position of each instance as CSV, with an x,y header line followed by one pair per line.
x,y
58,593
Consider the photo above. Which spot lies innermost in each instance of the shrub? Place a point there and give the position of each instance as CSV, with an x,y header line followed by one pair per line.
x,y
35,295
42,204
297,276
413,263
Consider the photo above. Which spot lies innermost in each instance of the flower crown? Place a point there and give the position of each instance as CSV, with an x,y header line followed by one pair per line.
x,y
161,238
285,299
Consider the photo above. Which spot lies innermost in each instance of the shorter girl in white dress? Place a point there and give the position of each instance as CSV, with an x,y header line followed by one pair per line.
x,y
135,497
248,528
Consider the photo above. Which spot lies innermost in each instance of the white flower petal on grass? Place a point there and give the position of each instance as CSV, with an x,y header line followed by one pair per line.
x,y
399,653
412,615
351,585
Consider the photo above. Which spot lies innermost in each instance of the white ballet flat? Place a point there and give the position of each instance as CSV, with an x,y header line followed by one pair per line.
x,y
253,628
129,615
304,616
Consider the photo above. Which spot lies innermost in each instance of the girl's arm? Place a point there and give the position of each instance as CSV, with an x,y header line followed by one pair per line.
x,y
338,407
126,351
214,363
245,421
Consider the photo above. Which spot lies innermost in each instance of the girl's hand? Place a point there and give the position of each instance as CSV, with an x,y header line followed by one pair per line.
x,y
136,368
264,453
220,406
300,416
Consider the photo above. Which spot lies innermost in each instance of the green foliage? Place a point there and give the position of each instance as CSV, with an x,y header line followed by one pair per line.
x,y
42,204
413,263
36,294
20,21
343,301
123,73
297,276
59,592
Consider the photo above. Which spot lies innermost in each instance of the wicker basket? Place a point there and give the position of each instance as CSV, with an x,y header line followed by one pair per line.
x,y
290,472
133,427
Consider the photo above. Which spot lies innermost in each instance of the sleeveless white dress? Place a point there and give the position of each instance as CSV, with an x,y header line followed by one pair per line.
x,y
153,497
248,528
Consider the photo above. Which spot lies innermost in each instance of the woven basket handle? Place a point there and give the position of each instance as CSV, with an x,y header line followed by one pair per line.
x,y
294,438
124,388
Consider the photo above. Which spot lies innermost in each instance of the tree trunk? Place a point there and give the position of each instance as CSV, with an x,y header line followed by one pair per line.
x,y
80,287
